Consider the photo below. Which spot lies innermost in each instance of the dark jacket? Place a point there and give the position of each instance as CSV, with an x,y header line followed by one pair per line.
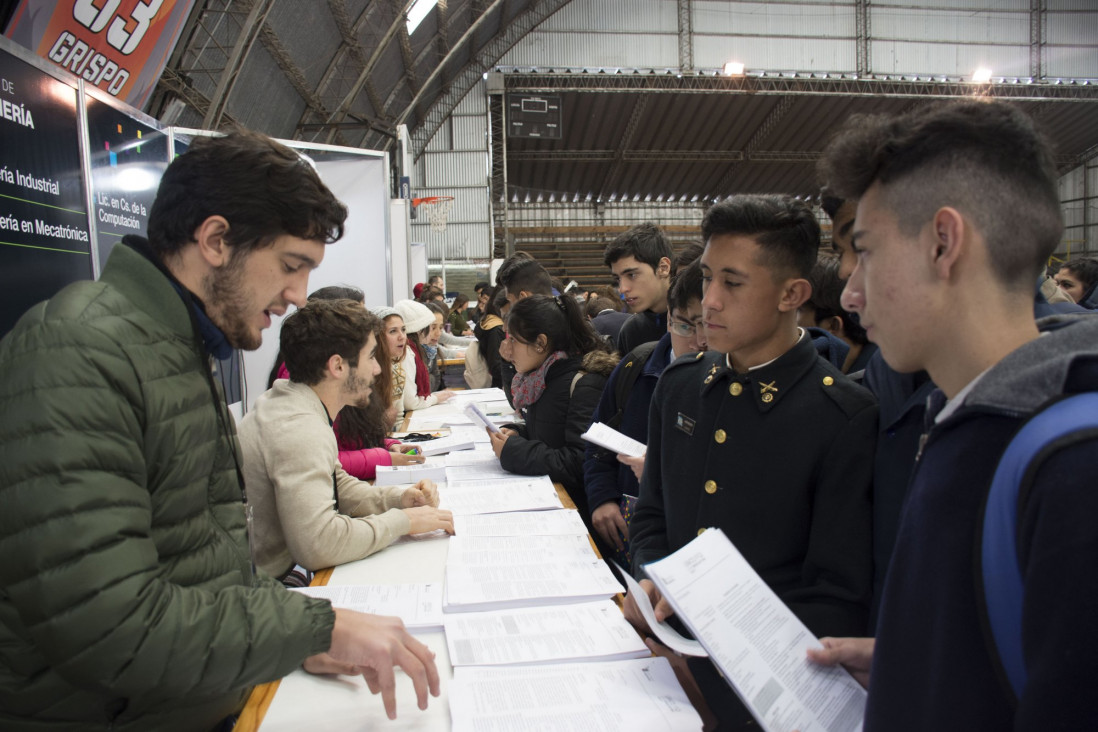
x,y
932,668
609,324
605,478
127,600
779,459
641,328
550,443
489,334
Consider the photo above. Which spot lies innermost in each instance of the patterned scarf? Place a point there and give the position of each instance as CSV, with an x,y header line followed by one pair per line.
x,y
398,381
527,388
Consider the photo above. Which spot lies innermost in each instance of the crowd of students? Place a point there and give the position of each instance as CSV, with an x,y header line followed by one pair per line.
x,y
838,414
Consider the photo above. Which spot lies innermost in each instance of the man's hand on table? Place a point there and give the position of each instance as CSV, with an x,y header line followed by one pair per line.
x,y
372,645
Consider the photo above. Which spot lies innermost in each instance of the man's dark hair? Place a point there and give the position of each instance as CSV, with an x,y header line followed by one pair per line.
x,y
429,293
321,329
596,305
1085,270
645,243
830,204
827,290
985,159
481,286
339,292
784,227
520,274
690,252
262,188
686,286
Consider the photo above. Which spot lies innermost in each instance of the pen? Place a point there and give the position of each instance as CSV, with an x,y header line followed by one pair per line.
x,y
413,451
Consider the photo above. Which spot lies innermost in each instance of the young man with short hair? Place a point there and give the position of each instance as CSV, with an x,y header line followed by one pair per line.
x,y
520,276
957,214
131,601
608,477
641,261
760,436
308,510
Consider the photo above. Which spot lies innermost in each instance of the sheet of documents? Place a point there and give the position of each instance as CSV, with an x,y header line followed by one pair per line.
x,y
489,394
499,496
444,445
756,641
471,587
613,440
526,523
500,550
640,694
433,468
467,431
477,417
418,605
660,628
482,469
481,455
586,631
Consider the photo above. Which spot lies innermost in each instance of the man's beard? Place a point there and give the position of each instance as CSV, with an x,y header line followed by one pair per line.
x,y
228,303
357,385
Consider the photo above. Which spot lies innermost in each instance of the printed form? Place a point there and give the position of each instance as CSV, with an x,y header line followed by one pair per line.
x,y
756,641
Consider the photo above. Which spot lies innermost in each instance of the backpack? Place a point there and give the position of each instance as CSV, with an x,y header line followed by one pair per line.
x,y
476,368
999,578
631,367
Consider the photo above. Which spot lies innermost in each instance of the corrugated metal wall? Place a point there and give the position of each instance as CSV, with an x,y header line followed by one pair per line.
x,y
455,163
953,38
1079,193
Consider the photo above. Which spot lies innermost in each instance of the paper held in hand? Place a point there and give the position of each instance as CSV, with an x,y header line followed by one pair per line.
x,y
613,440
472,411
757,642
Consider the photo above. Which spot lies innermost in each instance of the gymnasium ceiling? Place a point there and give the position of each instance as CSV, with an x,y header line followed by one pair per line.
x,y
347,72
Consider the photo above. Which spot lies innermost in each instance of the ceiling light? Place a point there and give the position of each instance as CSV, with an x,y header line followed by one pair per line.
x,y
733,68
981,76
418,12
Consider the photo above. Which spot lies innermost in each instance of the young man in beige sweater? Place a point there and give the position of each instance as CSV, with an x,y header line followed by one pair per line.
x,y
307,510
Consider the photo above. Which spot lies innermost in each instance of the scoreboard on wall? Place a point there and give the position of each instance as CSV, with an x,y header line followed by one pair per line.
x,y
533,115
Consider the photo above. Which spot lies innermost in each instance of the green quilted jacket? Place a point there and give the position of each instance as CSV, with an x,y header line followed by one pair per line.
x,y
127,600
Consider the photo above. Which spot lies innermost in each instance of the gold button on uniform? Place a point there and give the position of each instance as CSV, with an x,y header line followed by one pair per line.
x,y
701,531
720,436
736,389
768,397
828,381
710,486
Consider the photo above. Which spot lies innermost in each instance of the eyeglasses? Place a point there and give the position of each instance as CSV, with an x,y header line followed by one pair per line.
x,y
683,329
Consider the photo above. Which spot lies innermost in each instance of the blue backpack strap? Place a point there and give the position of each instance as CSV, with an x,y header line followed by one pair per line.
x,y
1001,575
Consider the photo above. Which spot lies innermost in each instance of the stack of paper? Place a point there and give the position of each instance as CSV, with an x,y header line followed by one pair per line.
x,y
641,694
479,456
587,631
757,642
485,573
480,470
432,469
419,605
526,523
444,445
499,496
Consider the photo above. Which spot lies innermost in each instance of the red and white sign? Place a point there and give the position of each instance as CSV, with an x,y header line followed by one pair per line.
x,y
120,46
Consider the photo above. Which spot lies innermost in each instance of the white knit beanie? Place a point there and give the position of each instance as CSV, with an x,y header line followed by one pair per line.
x,y
417,316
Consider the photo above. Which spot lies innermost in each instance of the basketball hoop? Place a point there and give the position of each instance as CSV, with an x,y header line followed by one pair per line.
x,y
438,210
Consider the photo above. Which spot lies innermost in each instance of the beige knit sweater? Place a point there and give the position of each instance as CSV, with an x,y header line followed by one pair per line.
x,y
290,458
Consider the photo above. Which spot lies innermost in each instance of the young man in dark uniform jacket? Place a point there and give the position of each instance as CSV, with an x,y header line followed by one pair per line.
x,y
957,214
760,436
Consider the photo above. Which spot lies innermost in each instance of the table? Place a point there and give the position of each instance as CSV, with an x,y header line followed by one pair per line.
x,y
405,562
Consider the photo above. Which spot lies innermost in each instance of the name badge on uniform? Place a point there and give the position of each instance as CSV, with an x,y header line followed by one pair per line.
x,y
684,423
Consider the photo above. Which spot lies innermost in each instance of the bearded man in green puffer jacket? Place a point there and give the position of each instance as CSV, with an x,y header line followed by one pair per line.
x,y
128,599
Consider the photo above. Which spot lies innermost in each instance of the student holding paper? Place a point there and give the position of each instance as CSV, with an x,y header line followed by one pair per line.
x,y
957,214
760,436
611,480
307,510
556,389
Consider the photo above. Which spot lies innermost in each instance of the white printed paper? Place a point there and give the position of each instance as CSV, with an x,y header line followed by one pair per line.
x,y
641,694
524,523
499,496
755,640
418,605
613,440
586,631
